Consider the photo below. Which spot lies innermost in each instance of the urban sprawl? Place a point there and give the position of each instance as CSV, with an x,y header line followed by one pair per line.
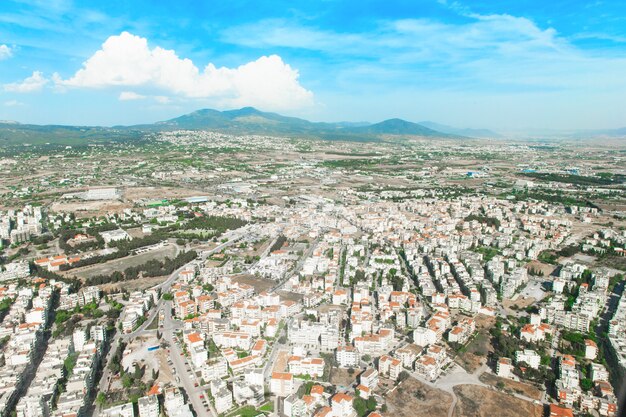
x,y
204,274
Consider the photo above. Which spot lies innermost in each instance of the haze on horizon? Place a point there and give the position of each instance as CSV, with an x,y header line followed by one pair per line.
x,y
526,66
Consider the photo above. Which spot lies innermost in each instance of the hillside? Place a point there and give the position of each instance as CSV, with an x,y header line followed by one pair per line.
x,y
247,120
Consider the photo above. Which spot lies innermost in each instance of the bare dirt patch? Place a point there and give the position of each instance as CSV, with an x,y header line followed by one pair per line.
x,y
514,386
259,284
84,209
546,269
165,372
474,355
280,365
341,377
521,303
414,399
476,401
122,263
290,296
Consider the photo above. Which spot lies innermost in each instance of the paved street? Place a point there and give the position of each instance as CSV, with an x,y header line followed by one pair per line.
x,y
170,325
186,379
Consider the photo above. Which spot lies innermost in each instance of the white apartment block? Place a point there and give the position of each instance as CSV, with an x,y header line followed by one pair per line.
x,y
148,406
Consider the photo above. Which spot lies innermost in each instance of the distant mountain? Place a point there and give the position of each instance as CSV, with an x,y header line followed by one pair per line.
x,y
472,133
398,127
247,120
251,120
22,134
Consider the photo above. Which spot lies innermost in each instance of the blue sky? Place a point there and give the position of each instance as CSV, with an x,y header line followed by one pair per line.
x,y
507,65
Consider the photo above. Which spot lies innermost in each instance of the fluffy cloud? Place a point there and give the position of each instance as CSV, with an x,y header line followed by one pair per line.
x,y
130,95
5,52
127,61
30,84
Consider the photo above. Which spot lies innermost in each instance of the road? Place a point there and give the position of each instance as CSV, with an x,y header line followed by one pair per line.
x,y
186,378
275,349
169,327
297,267
166,285
277,346
605,316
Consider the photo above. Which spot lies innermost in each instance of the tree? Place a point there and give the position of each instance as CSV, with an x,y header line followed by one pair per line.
x,y
127,381
404,375
586,384
360,406
101,399
371,404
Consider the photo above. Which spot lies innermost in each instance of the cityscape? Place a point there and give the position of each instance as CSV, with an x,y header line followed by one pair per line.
x,y
233,261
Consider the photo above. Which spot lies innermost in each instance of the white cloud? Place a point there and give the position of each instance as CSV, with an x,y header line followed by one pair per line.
x,y
420,39
5,52
127,61
493,52
130,95
30,84
13,103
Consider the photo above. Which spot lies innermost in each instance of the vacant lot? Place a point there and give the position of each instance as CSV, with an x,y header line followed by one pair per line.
x,y
84,209
121,264
280,365
414,399
475,353
476,401
259,284
341,377
521,303
290,296
547,269
515,386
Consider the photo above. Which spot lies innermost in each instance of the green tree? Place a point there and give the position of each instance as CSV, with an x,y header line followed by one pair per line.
x,y
360,406
101,399
127,381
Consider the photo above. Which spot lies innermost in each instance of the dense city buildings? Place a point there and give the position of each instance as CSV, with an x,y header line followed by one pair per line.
x,y
208,274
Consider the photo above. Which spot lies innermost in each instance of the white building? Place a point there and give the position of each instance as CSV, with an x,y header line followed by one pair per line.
x,y
347,357
281,384
504,368
123,410
529,356
591,349
223,400
149,406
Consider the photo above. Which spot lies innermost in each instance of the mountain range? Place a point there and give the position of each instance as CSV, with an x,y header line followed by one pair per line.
x,y
247,120
252,121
